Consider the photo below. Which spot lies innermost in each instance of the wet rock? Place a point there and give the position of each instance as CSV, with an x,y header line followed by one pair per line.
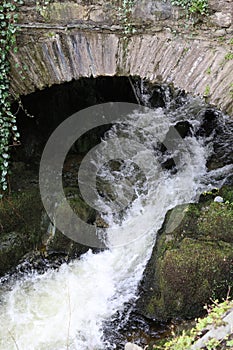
x,y
221,19
157,98
12,247
222,144
169,164
209,123
184,128
191,262
59,244
24,226
218,199
131,346
169,145
35,261
56,242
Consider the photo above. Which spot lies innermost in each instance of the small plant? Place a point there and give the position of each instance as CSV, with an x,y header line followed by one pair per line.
x,y
188,338
212,344
41,7
229,56
8,129
229,343
221,39
207,91
231,90
193,6
208,71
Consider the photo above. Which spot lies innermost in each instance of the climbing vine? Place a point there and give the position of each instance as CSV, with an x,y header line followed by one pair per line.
x,y
193,6
8,129
125,10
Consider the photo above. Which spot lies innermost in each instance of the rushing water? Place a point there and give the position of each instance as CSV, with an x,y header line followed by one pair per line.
x,y
68,308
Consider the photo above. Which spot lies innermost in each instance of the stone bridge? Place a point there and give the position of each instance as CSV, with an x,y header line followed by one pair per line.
x,y
64,40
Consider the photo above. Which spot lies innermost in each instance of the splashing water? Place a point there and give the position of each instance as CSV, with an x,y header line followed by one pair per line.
x,y
67,309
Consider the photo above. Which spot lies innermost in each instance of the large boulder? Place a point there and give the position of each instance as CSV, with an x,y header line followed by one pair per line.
x,y
191,263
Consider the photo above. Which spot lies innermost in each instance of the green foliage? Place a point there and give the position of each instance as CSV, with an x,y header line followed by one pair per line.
x,y
188,338
229,56
231,90
230,343
8,128
217,218
125,10
207,91
193,6
41,7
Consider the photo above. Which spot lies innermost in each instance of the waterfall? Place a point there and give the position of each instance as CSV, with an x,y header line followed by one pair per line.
x,y
69,307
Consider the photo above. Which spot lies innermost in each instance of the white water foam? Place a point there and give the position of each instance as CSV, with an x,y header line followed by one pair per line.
x,y
66,309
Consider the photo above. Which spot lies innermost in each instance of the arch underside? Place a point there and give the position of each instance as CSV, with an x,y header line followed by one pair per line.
x,y
193,65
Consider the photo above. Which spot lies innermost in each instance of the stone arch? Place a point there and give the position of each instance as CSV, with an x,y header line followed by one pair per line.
x,y
84,39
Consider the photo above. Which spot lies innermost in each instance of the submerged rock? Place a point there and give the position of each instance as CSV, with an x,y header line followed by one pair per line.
x,y
190,263
184,128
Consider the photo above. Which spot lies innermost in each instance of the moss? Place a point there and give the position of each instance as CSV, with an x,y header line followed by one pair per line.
x,y
84,211
21,212
193,273
227,193
192,261
20,219
188,276
59,243
216,222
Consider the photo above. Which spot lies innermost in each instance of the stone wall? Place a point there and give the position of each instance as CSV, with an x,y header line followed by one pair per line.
x,y
66,40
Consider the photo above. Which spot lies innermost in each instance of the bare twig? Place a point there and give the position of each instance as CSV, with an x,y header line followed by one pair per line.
x,y
69,305
13,338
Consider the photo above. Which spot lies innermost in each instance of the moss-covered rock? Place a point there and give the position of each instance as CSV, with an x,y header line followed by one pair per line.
x,y
20,220
25,226
55,241
190,263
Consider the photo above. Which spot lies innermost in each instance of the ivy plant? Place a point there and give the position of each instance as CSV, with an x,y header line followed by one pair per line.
x,y
8,129
124,11
193,6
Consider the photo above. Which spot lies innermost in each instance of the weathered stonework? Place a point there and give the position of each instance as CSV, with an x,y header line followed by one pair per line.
x,y
72,39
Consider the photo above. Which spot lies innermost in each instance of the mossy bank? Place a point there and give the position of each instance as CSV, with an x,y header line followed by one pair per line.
x,y
192,262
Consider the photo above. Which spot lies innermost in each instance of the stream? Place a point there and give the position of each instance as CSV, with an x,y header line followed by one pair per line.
x,y
72,306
